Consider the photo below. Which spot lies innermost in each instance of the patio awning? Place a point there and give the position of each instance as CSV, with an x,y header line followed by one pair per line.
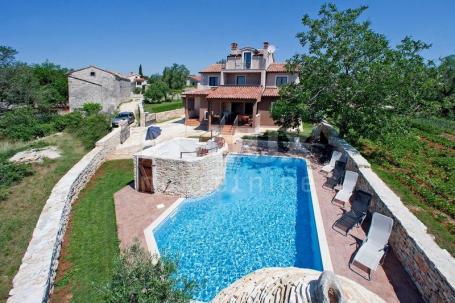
x,y
237,92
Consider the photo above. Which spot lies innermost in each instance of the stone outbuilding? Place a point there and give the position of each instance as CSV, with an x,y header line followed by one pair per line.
x,y
181,166
96,85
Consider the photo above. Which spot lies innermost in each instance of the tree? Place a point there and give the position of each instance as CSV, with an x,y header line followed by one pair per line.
x,y
7,55
175,76
53,82
156,91
447,72
141,277
140,70
353,78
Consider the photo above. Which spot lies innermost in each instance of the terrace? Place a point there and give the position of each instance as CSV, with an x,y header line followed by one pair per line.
x,y
136,211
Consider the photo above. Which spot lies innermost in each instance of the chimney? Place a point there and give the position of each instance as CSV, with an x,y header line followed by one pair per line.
x,y
266,45
234,46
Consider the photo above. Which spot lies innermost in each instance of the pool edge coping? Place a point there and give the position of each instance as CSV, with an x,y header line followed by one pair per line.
x,y
148,231
152,246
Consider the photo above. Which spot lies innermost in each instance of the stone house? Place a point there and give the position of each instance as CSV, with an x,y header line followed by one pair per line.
x,y
137,81
238,94
97,85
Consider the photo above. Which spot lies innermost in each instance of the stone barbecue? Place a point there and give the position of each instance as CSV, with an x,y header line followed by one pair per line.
x,y
181,166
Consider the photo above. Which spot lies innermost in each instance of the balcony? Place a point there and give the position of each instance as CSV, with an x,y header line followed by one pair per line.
x,y
239,64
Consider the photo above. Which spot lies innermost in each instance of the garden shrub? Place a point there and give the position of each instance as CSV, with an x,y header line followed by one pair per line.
x,y
20,124
11,173
91,129
92,108
137,90
68,121
141,277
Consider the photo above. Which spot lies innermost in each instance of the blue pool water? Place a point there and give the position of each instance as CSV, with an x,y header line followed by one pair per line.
x,y
262,216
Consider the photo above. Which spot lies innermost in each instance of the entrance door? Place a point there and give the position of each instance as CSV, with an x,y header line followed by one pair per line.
x,y
145,176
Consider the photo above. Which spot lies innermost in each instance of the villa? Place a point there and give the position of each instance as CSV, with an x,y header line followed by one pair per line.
x,y
239,93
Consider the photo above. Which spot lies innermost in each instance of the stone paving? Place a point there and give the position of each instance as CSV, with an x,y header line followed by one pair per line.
x,y
135,211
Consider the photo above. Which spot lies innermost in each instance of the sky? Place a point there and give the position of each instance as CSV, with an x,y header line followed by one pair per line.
x,y
120,35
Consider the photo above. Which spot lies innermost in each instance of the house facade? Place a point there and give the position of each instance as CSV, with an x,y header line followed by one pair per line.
x,y
96,85
137,80
239,92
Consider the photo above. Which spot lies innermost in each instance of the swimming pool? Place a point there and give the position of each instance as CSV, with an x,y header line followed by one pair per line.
x,y
262,216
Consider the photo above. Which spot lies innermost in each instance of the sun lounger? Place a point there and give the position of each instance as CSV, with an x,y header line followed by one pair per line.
x,y
336,155
356,215
350,180
375,246
337,175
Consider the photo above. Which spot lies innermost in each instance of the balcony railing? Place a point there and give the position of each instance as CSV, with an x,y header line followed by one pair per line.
x,y
237,64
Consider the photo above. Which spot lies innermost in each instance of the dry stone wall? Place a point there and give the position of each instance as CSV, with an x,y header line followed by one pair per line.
x,y
431,268
188,178
170,114
34,280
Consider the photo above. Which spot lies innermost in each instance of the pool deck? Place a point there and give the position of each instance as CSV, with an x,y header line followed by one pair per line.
x,y
390,281
135,211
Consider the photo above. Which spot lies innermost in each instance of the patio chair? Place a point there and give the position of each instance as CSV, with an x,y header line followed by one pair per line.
x,y
356,215
336,155
374,248
337,176
350,180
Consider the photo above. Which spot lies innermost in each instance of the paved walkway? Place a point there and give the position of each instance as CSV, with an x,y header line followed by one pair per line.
x,y
135,211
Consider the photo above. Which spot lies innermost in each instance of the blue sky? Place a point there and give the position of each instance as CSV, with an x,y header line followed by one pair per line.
x,y
119,35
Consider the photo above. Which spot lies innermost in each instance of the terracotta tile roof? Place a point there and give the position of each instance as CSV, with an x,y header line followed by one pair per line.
x,y
237,92
214,68
198,92
270,92
277,68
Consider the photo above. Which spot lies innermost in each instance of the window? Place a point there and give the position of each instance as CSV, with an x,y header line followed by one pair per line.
x,y
213,81
281,80
92,74
241,80
247,59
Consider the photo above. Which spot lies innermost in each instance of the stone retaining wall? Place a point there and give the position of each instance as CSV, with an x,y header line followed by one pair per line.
x,y
431,268
170,114
34,280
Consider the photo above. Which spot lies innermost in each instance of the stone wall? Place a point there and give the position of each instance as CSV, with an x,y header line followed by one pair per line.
x,y
188,178
431,268
170,114
34,280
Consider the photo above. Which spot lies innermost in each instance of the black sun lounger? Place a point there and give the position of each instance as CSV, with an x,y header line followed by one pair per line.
x,y
360,205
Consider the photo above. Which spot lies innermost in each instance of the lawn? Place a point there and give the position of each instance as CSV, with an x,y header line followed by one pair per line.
x,y
20,210
419,166
163,106
91,244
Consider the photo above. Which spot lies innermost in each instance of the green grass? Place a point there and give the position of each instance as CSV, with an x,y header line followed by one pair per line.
x,y
21,209
419,165
162,107
91,241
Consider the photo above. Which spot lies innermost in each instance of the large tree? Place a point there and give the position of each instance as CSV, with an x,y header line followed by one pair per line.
x,y
447,71
175,76
41,85
6,55
351,77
